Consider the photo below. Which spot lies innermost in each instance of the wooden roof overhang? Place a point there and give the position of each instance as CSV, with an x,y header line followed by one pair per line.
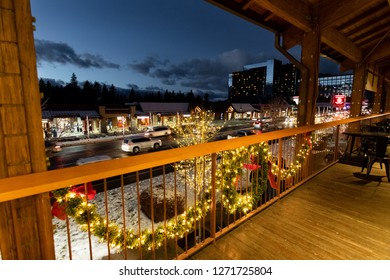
x,y
352,31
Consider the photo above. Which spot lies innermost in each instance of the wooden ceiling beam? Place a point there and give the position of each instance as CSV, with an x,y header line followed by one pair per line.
x,y
292,36
380,22
342,44
332,11
293,11
237,9
347,65
381,51
363,16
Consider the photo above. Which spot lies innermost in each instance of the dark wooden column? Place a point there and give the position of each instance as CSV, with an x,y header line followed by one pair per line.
x,y
378,103
25,224
359,85
386,94
310,57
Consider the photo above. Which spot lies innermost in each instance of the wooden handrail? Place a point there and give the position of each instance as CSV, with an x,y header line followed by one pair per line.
x,y
35,183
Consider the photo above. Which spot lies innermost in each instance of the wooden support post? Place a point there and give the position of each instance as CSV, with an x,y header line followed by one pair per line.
x,y
359,85
386,95
310,58
25,224
379,104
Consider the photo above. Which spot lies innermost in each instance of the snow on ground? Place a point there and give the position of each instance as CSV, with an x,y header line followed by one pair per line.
x,y
79,238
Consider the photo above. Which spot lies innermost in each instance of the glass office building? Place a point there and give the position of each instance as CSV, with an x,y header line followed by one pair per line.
x,y
261,82
329,85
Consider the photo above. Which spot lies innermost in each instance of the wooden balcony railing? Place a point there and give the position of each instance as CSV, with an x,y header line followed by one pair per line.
x,y
169,204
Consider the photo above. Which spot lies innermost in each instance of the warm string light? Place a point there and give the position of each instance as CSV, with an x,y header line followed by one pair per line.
x,y
85,213
232,169
300,158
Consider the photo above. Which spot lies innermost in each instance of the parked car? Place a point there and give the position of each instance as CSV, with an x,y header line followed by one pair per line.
x,y
241,133
93,159
137,143
266,120
156,131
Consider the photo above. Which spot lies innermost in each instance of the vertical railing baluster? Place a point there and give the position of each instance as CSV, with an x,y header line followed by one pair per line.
x,y
124,217
139,215
185,188
195,201
201,195
336,144
175,209
185,209
221,186
213,209
88,222
152,210
68,232
107,217
280,166
176,240
165,214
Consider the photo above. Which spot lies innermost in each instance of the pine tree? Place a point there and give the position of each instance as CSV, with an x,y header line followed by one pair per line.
x,y
73,81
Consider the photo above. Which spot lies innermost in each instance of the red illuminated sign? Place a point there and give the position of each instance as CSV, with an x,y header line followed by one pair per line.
x,y
338,100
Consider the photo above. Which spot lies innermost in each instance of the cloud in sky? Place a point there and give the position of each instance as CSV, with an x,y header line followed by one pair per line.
x,y
198,73
202,75
62,53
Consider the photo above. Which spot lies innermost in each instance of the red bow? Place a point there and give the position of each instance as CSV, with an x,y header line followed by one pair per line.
x,y
81,190
271,177
252,166
58,211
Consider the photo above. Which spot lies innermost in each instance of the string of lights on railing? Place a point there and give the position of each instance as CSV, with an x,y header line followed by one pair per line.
x,y
75,202
294,167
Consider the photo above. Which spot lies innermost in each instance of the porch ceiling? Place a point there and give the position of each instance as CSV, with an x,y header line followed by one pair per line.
x,y
352,31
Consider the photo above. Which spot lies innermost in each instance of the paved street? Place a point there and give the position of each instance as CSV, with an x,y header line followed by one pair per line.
x,y
71,151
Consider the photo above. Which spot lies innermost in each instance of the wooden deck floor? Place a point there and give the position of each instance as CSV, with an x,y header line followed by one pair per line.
x,y
339,214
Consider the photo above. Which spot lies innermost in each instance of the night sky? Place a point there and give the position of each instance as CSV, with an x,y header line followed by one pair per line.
x,y
178,45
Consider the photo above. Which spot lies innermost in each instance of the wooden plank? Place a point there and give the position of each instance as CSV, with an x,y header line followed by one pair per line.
x,y
6,4
26,221
14,120
11,89
334,10
9,62
293,11
348,219
7,29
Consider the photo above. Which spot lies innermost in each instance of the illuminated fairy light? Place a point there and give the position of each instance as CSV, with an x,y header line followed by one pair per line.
x,y
86,215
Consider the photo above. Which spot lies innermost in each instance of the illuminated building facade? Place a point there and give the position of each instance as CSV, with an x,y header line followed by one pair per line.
x,y
261,82
329,85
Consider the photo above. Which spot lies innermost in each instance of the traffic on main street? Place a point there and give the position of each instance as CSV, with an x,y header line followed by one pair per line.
x,y
110,148
70,154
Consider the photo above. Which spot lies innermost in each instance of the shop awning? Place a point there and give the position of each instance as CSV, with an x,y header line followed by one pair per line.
x,y
51,114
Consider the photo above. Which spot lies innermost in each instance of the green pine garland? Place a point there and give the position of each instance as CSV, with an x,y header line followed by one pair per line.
x,y
231,167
